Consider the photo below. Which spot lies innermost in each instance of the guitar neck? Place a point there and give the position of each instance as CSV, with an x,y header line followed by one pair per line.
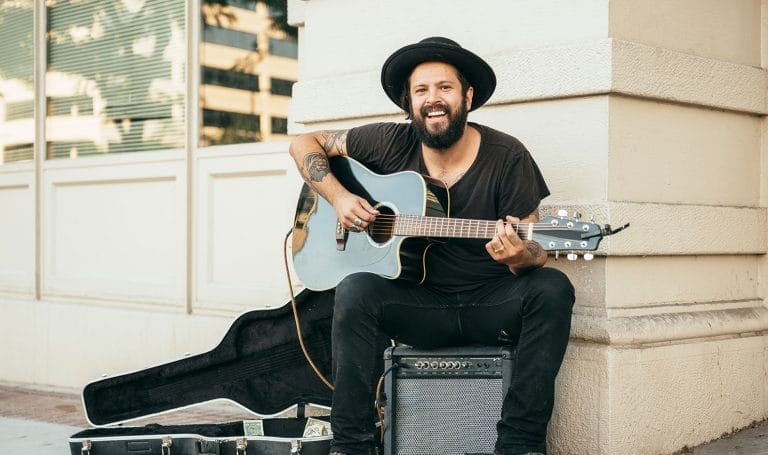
x,y
428,226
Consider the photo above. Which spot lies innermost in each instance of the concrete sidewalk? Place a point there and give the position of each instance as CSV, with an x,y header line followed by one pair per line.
x,y
40,421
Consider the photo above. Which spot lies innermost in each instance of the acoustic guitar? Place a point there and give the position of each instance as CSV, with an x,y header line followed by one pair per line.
x,y
414,213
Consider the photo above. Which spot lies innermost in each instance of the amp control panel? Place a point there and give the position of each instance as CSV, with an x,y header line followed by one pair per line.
x,y
451,366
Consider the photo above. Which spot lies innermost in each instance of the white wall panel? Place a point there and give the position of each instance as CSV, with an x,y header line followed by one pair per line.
x,y
565,71
115,232
379,28
17,232
246,204
684,280
570,148
699,27
68,344
665,397
679,154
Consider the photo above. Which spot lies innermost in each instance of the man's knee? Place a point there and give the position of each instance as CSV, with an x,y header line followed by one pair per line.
x,y
353,295
554,287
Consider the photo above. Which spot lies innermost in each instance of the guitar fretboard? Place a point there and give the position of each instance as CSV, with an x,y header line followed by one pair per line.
x,y
428,226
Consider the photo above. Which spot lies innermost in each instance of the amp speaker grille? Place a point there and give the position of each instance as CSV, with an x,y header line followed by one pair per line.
x,y
439,416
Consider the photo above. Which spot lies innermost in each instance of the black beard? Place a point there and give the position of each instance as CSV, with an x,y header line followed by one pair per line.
x,y
441,141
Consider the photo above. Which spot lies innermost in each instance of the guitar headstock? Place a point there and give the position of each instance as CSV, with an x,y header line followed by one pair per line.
x,y
573,235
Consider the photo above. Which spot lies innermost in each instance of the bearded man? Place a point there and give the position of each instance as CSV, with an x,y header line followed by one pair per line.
x,y
475,291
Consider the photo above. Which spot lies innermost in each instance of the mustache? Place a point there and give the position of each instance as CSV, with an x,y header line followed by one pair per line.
x,y
424,111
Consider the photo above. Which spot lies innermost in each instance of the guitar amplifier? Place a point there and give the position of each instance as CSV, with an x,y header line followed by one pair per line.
x,y
444,401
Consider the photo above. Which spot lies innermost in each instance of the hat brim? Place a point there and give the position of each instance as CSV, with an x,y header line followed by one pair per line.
x,y
400,64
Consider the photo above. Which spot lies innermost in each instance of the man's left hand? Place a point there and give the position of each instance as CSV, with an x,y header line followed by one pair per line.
x,y
508,248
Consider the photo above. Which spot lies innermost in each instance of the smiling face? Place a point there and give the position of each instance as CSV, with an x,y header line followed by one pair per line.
x,y
439,104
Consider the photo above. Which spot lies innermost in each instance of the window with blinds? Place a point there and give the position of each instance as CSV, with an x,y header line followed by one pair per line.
x,y
115,79
17,89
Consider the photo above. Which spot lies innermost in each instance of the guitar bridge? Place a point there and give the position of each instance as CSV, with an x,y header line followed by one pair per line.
x,y
341,237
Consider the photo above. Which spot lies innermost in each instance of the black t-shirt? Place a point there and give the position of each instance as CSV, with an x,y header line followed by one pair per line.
x,y
503,180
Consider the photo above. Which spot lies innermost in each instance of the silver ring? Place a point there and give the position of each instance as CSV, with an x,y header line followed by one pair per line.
x,y
357,222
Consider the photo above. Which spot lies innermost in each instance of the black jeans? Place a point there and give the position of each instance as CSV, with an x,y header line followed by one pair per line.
x,y
532,311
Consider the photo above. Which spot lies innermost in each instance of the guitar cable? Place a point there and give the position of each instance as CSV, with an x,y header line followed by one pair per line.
x,y
294,307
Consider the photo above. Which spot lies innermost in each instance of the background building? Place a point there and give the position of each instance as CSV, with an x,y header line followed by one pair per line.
x,y
144,180
651,112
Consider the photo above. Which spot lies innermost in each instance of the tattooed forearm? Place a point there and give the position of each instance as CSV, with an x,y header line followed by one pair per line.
x,y
335,140
315,166
533,248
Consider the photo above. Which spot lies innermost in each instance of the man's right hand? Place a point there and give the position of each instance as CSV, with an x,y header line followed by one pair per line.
x,y
354,212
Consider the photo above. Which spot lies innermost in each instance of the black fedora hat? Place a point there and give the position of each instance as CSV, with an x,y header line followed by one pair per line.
x,y
401,63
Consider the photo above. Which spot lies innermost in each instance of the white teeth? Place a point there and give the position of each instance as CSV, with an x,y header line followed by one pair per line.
x,y
432,114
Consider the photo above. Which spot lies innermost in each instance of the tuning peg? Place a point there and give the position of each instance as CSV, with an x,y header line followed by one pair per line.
x,y
562,213
576,215
588,256
572,256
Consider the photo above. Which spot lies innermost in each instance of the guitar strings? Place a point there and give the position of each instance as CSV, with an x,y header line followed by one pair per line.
x,y
390,223
434,219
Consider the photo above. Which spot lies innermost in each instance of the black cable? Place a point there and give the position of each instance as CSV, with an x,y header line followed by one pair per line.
x,y
377,402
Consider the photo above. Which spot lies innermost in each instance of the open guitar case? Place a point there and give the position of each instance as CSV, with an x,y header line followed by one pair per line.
x,y
259,364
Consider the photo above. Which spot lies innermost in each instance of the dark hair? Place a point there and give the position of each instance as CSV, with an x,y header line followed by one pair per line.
x,y
405,97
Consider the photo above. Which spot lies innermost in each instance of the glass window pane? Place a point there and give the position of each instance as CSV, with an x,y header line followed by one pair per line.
x,y
247,4
281,87
238,70
284,48
115,80
228,37
279,125
17,87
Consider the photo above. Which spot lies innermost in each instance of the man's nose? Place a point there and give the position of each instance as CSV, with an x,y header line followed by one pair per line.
x,y
433,94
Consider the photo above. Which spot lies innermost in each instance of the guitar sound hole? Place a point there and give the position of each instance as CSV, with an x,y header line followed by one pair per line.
x,y
382,229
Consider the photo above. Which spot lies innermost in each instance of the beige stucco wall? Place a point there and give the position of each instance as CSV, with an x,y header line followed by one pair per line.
x,y
645,112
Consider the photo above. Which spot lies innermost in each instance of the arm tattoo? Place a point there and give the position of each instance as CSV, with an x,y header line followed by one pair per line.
x,y
316,166
533,248
335,140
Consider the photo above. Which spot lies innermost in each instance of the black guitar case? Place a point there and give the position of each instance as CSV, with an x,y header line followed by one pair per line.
x,y
258,364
